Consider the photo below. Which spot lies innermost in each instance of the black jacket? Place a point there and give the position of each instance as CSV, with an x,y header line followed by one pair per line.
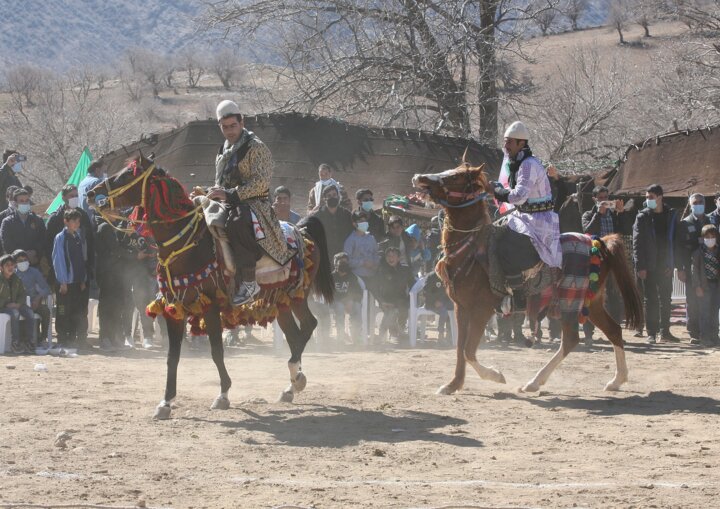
x,y
393,241
591,221
7,179
688,239
394,284
376,225
644,246
337,228
27,236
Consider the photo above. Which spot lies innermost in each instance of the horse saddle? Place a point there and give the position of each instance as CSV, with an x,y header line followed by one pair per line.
x,y
267,270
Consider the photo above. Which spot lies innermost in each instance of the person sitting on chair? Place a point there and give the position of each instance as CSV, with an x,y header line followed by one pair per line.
x,y
533,232
243,171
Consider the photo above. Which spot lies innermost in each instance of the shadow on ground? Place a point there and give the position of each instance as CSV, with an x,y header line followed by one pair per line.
x,y
341,426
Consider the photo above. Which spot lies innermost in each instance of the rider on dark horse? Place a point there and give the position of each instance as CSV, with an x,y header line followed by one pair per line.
x,y
533,228
243,170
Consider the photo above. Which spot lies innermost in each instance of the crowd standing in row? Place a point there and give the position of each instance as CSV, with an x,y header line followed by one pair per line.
x,y
76,252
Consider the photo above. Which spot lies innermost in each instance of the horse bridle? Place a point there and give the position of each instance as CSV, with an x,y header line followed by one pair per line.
x,y
468,198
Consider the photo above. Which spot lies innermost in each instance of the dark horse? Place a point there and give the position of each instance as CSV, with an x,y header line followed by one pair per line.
x,y
187,253
462,193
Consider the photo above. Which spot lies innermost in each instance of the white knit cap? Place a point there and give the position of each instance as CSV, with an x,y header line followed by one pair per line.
x,y
225,108
517,131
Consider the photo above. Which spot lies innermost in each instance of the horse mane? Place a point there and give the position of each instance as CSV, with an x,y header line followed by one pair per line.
x,y
167,199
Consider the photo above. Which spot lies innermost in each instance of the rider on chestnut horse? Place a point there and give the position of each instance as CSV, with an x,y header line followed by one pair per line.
x,y
243,170
533,228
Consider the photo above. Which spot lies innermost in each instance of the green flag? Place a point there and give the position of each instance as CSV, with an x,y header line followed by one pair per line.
x,y
78,174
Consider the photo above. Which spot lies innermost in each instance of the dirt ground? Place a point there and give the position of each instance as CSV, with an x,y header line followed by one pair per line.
x,y
368,431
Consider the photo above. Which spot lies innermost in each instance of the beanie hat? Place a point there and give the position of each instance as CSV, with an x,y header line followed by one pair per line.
x,y
226,108
517,131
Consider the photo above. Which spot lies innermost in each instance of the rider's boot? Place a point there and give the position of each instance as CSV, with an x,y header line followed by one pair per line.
x,y
247,288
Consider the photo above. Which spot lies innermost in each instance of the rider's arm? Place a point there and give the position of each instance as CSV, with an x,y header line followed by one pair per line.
x,y
261,167
525,180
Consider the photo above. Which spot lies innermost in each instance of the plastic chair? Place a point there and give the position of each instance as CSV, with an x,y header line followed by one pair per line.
x,y
4,333
92,313
417,313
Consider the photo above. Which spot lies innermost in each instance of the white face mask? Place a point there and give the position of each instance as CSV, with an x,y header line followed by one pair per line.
x,y
23,266
74,202
17,167
363,226
709,242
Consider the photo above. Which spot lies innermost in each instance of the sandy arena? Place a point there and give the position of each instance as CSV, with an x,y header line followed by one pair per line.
x,y
368,431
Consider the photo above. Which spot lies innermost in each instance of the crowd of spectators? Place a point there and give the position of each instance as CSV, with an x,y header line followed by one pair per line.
x,y
73,255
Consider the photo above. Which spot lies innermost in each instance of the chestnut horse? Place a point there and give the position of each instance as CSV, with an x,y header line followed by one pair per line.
x,y
462,192
186,251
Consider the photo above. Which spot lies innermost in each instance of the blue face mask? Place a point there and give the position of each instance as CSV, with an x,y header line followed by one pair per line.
x,y
698,210
367,206
363,226
651,204
24,208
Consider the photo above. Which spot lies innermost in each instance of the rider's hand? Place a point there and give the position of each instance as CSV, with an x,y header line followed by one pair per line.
x,y
552,172
218,195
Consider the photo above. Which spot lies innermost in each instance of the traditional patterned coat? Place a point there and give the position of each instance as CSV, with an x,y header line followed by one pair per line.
x,y
245,171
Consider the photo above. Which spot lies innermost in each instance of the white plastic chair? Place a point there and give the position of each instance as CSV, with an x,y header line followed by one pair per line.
x,y
678,288
417,313
92,314
4,333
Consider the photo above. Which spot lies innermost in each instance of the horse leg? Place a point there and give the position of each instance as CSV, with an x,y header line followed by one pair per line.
x,y
176,329
214,332
570,339
602,319
478,321
296,342
463,322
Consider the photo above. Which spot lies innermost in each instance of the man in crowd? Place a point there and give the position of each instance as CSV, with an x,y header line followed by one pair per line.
x,y
70,262
56,223
336,220
281,206
688,239
93,178
366,203
36,288
605,218
8,175
394,282
654,254
714,216
243,171
12,302
24,230
325,180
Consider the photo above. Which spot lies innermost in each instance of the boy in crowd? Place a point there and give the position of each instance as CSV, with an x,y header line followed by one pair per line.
x,y
12,302
70,261
393,289
36,288
704,276
348,298
436,300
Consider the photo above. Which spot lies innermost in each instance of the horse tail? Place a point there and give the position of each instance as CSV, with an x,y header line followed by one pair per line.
x,y
323,285
612,249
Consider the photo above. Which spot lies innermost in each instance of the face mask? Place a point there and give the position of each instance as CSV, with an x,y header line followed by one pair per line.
x,y
74,202
17,167
367,206
698,210
332,202
24,208
709,242
363,227
651,204
23,266
326,182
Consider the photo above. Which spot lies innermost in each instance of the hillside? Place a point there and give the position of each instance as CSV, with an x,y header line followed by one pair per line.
x,y
62,34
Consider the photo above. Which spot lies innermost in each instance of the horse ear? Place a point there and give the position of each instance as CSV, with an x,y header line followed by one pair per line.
x,y
464,157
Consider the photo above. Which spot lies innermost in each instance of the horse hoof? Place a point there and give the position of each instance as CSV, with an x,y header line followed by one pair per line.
x,y
497,376
287,396
612,387
445,390
530,387
299,383
220,403
162,412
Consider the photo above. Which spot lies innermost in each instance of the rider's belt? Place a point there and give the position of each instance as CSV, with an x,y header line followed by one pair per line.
x,y
543,206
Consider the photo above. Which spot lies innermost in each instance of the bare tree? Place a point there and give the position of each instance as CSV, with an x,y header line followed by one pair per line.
x,y
149,66
190,62
544,14
413,63
618,17
644,12
22,83
226,65
574,9
579,113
